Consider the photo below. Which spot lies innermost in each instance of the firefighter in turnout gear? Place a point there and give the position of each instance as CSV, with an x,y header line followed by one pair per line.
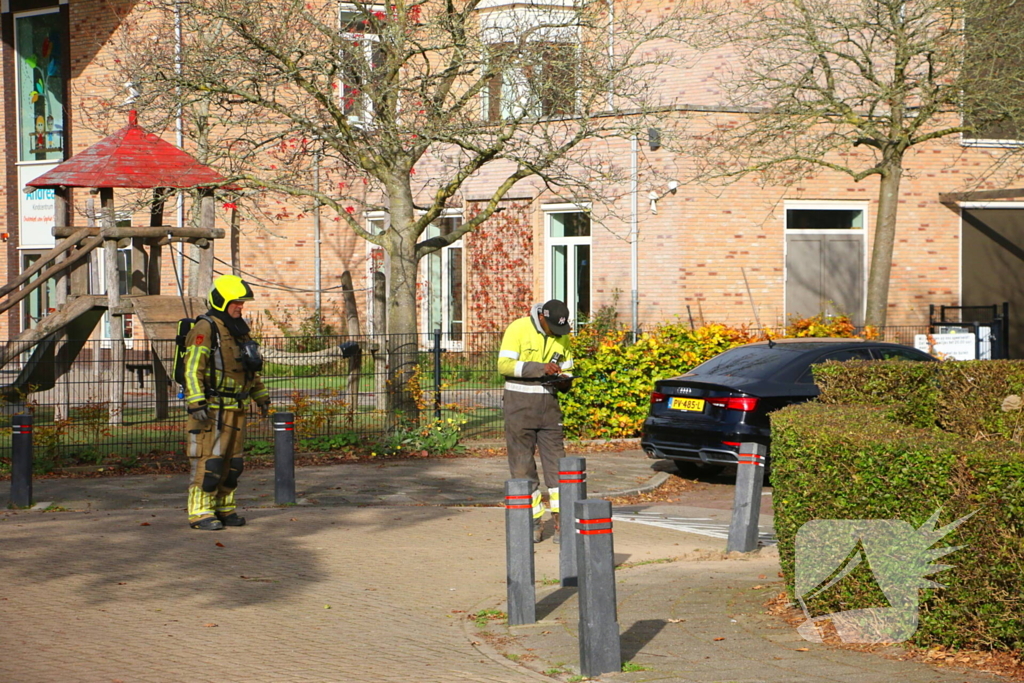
x,y
536,363
222,365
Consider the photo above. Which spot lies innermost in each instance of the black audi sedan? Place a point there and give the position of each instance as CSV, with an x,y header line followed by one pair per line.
x,y
699,419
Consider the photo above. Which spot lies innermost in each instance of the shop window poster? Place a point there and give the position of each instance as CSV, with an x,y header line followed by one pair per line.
x,y
40,86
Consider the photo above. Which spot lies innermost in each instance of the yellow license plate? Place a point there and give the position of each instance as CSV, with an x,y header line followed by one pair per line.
x,y
691,404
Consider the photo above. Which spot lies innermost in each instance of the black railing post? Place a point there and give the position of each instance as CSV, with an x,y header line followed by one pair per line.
x,y
21,461
437,373
284,458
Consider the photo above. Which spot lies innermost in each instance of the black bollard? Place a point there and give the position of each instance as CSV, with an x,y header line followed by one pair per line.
x,y
522,596
21,461
600,649
284,458
746,507
572,486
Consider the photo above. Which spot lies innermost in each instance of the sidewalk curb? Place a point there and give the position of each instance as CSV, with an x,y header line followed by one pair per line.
x,y
652,483
485,648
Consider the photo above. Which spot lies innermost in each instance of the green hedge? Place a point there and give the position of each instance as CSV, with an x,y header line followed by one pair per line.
x,y
963,398
855,462
611,395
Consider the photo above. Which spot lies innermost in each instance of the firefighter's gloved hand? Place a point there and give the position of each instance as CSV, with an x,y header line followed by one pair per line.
x,y
265,409
349,349
201,414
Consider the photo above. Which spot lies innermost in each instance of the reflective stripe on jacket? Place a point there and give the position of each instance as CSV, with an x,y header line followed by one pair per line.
x,y
216,375
525,350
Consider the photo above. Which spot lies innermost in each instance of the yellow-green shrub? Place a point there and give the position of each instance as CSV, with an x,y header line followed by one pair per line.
x,y
611,394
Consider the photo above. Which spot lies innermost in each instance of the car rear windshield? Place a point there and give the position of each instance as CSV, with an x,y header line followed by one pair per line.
x,y
752,361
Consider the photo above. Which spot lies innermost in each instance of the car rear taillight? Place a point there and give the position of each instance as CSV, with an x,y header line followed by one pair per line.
x,y
657,397
744,403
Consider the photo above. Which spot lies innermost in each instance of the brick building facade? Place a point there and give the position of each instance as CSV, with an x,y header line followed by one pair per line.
x,y
733,254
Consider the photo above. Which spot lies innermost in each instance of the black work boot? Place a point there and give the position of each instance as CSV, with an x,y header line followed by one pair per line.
x,y
208,524
557,538
231,519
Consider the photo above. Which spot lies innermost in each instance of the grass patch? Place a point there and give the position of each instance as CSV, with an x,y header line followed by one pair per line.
x,y
633,666
485,616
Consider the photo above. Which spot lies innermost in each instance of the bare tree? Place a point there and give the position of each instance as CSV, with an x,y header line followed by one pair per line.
x,y
400,106
852,86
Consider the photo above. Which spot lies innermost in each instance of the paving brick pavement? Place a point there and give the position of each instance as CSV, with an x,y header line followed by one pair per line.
x,y
372,580
449,481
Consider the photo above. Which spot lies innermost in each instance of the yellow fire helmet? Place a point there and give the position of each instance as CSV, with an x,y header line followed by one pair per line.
x,y
228,288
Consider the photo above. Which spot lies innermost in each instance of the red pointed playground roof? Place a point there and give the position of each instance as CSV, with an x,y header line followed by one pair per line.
x,y
131,157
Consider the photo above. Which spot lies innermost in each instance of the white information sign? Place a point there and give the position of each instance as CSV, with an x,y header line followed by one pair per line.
x,y
959,346
35,210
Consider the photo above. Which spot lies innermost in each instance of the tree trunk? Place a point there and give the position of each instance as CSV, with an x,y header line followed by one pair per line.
x,y
402,340
885,238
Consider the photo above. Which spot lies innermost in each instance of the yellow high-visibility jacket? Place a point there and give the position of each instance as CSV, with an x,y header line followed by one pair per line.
x,y
216,376
525,350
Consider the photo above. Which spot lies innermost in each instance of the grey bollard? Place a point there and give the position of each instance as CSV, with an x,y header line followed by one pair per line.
x,y
600,649
522,596
746,507
21,461
572,486
284,458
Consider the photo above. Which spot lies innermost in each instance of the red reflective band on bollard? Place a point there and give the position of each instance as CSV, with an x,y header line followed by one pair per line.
x,y
577,477
590,532
606,520
22,429
518,507
750,459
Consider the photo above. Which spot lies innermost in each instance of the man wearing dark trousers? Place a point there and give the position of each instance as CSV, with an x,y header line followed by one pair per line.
x,y
536,363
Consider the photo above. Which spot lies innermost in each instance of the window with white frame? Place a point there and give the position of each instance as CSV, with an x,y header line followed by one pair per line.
x,y
992,67
568,246
360,55
443,281
825,265
532,58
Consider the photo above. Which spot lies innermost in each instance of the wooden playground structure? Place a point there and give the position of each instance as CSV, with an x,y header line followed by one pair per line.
x,y
130,158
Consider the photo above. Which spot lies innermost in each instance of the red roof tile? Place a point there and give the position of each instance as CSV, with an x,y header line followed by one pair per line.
x,y
131,157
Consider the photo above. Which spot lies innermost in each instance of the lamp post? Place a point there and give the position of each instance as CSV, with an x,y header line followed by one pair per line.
x,y
654,142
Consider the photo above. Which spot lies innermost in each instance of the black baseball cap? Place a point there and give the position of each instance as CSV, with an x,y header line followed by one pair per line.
x,y
556,313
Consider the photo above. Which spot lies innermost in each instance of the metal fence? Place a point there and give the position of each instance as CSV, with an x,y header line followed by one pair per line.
x,y
334,399
77,419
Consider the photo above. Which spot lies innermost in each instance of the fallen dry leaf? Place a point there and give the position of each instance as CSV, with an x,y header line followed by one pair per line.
x,y
762,576
219,544
294,519
144,524
209,625
803,649
676,621
757,588
717,639
121,583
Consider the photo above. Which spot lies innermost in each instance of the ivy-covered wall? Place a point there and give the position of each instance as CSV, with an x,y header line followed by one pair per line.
x,y
499,267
